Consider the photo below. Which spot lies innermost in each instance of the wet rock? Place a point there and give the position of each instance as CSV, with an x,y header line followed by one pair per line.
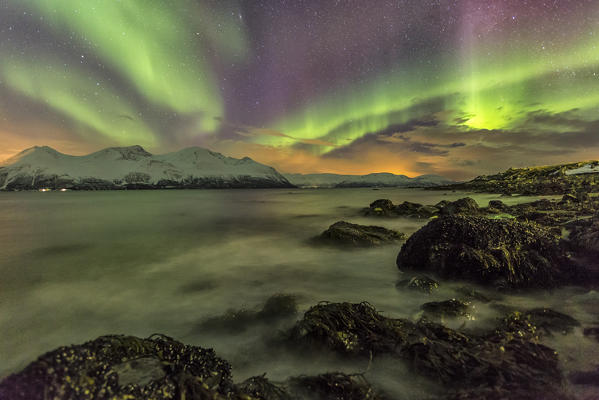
x,y
499,361
585,377
498,205
466,205
497,252
334,386
447,309
420,283
352,235
551,321
584,236
383,204
104,368
276,308
470,294
592,331
258,387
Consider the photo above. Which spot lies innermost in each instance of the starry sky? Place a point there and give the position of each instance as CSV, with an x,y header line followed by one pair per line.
x,y
451,87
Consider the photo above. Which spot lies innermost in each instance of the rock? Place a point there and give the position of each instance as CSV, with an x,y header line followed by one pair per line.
x,y
498,205
472,295
258,387
497,252
584,236
585,377
89,371
447,309
384,204
499,361
592,331
420,283
276,308
568,198
551,321
352,235
466,205
333,386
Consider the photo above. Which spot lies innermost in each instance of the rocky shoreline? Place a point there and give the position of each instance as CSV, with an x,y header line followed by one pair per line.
x,y
539,245
545,180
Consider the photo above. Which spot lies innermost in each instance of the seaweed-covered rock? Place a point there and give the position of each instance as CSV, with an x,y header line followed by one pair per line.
x,y
98,370
258,387
467,205
353,235
498,205
550,321
420,283
471,294
334,386
383,204
499,362
502,253
584,236
447,309
277,307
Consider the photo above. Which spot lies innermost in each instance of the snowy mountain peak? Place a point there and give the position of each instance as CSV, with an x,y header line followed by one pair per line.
x,y
122,153
134,167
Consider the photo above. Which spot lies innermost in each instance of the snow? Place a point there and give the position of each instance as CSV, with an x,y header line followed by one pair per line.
x,y
116,162
585,169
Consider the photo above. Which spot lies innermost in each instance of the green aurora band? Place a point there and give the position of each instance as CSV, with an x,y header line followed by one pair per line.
x,y
159,49
485,92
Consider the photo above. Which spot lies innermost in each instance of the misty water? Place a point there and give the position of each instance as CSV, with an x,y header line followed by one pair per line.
x,y
78,265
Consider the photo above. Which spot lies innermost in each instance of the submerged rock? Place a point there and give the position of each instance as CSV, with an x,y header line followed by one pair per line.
x,y
502,253
105,368
334,386
447,309
353,235
499,362
277,307
420,283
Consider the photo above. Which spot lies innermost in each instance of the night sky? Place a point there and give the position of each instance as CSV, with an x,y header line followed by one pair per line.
x,y
457,88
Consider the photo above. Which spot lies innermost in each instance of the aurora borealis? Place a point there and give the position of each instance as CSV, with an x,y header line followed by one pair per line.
x,y
457,88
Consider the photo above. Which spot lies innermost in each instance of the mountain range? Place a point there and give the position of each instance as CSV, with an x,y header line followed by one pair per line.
x,y
42,167
371,180
134,168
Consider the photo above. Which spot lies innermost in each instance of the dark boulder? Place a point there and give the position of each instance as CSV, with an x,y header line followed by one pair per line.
x,y
471,294
452,308
352,235
277,308
420,283
550,321
498,205
334,386
115,366
383,204
499,252
466,205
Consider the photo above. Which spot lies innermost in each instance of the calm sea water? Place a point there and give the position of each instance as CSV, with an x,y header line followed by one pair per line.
x,y
78,265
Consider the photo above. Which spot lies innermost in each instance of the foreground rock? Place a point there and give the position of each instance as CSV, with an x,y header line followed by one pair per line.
x,y
500,253
161,368
352,235
117,367
496,365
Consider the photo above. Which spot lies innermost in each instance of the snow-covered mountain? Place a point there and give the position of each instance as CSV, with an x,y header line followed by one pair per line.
x,y
134,168
370,180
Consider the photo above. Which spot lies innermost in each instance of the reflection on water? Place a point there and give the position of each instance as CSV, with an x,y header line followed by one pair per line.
x,y
77,265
